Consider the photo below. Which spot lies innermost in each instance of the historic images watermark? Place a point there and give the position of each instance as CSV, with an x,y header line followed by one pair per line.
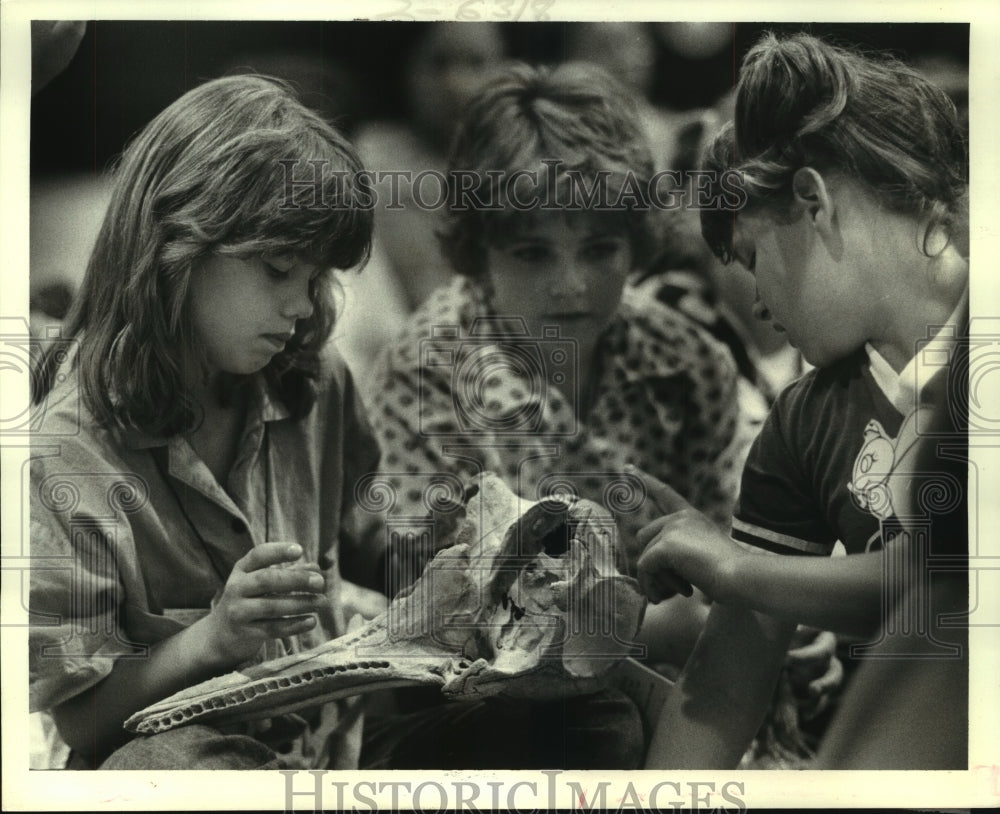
x,y
321,790
554,187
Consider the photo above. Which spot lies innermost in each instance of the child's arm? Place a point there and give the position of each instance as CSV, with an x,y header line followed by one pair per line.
x,y
684,548
258,603
718,703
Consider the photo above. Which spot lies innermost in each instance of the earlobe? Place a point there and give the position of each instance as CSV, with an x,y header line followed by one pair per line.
x,y
812,195
805,187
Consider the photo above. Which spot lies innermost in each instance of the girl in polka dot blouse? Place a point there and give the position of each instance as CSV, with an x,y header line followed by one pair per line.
x,y
538,361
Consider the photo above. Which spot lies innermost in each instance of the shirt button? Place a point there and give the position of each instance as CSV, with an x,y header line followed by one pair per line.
x,y
239,527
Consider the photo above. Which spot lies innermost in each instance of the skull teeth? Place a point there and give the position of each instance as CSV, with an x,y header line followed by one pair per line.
x,y
487,616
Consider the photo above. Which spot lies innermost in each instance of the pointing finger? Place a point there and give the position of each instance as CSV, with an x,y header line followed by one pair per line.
x,y
829,681
664,497
657,579
648,533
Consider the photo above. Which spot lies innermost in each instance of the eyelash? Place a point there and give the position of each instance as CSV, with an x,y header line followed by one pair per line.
x,y
596,250
602,248
530,254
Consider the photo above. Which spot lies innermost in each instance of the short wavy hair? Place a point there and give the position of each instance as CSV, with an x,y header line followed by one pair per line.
x,y
803,102
575,116
209,175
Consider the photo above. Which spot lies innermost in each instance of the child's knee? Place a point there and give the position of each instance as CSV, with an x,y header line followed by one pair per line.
x,y
192,747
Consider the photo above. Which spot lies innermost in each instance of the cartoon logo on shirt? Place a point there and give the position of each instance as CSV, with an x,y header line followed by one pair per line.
x,y
887,483
870,479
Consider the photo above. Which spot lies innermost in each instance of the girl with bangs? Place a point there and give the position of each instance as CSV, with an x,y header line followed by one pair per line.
x,y
540,363
202,434
544,240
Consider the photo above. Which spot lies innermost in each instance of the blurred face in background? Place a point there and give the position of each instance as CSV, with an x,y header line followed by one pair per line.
x,y
448,67
627,50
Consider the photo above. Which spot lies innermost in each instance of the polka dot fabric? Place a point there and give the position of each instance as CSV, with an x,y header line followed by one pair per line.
x,y
450,400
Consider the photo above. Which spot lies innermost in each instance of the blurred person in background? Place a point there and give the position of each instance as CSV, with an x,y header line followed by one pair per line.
x,y
445,65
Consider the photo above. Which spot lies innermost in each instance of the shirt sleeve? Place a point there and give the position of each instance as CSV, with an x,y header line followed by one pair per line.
x,y
77,596
777,510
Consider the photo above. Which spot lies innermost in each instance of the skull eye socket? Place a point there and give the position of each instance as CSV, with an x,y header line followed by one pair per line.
x,y
555,542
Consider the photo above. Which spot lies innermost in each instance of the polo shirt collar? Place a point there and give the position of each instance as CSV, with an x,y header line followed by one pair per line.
x,y
904,388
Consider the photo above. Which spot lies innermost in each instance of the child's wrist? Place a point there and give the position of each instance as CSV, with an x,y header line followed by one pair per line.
x,y
210,649
728,580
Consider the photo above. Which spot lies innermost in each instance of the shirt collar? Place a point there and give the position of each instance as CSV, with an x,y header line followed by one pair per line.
x,y
263,399
623,346
267,400
631,338
904,388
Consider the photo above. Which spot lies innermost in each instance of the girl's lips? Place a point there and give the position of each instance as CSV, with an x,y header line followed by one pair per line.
x,y
763,313
278,340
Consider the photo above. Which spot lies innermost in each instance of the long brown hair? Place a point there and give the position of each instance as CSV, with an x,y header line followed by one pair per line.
x,y
210,174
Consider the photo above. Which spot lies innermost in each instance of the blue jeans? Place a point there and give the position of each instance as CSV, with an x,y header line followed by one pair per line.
x,y
600,731
188,747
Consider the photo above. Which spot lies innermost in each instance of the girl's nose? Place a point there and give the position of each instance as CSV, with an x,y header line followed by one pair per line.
x,y
759,309
568,282
299,305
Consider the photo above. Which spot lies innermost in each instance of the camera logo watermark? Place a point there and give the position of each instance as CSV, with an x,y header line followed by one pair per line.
x,y
941,451
91,509
20,354
500,378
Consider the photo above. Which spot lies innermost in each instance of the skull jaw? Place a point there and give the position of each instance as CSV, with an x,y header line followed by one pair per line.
x,y
238,697
345,667
380,655
469,640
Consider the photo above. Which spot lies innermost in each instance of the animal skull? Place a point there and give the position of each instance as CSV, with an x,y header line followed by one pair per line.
x,y
527,601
